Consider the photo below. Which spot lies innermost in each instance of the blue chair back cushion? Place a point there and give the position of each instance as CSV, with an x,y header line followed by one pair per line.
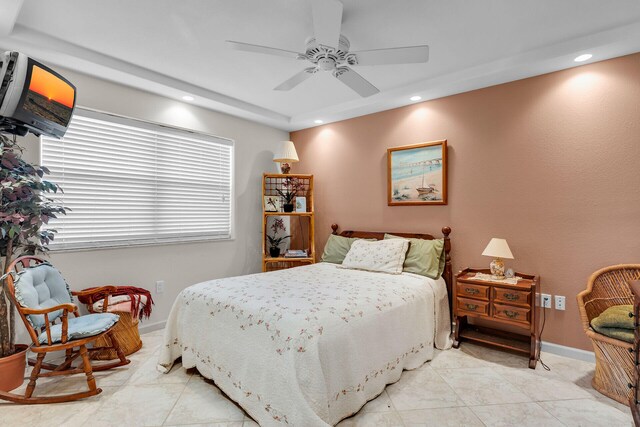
x,y
41,286
81,327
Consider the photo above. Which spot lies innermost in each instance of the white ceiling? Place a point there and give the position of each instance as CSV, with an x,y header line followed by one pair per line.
x,y
177,47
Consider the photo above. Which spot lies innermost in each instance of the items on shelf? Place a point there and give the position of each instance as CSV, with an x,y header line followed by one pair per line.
x,y
296,253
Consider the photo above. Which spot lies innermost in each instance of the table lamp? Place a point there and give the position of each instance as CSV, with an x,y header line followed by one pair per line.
x,y
286,155
498,249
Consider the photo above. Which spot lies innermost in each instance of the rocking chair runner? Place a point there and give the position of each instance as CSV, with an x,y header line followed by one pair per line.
x,y
41,297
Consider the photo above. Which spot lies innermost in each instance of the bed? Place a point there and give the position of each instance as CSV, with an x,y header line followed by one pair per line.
x,y
309,346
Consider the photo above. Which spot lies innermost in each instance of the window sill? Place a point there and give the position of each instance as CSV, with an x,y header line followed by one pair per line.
x,y
54,250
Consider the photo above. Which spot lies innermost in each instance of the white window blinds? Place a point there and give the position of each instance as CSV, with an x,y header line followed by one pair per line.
x,y
128,182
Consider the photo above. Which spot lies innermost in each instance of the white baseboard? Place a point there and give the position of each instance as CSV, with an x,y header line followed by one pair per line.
x,y
144,329
574,353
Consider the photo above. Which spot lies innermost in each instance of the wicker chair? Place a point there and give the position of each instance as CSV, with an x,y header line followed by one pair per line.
x,y
614,359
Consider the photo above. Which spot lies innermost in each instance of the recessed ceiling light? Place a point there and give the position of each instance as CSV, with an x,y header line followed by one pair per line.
x,y
318,122
415,98
583,57
187,98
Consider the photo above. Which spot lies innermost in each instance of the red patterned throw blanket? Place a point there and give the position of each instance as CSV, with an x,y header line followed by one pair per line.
x,y
134,293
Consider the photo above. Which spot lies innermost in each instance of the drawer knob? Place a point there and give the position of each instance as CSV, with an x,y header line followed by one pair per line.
x,y
511,314
472,291
471,306
512,297
631,315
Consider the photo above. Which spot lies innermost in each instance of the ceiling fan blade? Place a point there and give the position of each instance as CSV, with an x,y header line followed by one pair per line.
x,y
355,81
395,55
247,47
327,21
296,79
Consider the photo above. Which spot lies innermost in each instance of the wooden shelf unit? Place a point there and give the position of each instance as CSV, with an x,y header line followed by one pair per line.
x,y
269,184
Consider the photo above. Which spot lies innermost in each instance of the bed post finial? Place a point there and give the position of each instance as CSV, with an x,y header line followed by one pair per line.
x,y
334,227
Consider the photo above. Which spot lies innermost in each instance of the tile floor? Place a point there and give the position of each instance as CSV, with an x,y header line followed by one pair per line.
x,y
472,386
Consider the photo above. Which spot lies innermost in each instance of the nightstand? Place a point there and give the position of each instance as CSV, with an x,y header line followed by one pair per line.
x,y
498,303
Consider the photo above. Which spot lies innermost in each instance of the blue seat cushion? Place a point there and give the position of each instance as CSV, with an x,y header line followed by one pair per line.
x,y
85,326
41,287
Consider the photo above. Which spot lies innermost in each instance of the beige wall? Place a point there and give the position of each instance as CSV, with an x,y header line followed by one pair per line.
x,y
179,265
551,163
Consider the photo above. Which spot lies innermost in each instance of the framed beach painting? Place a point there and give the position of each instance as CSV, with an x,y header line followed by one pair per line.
x,y
417,174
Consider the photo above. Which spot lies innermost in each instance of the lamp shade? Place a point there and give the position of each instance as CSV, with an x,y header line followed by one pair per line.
x,y
286,153
498,248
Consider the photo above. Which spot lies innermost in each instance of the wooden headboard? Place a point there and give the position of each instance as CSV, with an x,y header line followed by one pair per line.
x,y
379,235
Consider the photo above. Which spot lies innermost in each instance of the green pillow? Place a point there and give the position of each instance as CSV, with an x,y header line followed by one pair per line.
x,y
336,248
424,257
617,333
616,316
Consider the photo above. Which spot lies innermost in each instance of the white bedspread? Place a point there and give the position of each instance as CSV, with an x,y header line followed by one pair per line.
x,y
307,346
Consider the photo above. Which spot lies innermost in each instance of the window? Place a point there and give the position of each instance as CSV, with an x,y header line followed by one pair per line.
x,y
128,182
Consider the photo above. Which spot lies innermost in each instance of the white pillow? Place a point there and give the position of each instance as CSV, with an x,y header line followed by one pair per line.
x,y
386,256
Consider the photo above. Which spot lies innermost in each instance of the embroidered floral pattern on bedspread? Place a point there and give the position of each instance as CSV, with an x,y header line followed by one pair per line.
x,y
206,359
304,346
390,366
309,294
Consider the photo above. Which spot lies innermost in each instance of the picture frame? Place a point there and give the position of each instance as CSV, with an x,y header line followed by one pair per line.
x,y
301,204
272,204
417,174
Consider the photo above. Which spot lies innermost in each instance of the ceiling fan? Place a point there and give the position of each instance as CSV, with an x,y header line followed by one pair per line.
x,y
328,50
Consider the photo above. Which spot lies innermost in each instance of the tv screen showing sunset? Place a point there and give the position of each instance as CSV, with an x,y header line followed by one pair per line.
x,y
49,97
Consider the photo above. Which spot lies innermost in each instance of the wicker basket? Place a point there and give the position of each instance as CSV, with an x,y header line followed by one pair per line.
x,y
614,358
126,332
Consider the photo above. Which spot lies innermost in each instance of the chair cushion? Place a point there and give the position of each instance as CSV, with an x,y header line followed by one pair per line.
x,y
82,327
616,333
615,322
616,316
41,286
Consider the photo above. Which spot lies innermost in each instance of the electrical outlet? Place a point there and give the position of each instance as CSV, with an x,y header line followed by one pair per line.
x,y
545,300
160,287
560,302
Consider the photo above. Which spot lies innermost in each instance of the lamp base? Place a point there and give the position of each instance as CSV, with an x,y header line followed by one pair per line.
x,y
285,168
497,269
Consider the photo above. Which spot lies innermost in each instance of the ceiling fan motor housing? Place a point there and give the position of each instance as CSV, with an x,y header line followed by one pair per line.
x,y
328,58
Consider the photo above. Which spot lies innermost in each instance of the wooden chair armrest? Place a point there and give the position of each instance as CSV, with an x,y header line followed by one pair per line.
x,y
108,288
68,307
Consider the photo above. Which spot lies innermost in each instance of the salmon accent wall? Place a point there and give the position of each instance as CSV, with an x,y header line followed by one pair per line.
x,y
550,163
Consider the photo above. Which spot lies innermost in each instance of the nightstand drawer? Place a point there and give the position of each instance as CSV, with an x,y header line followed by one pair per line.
x,y
473,291
512,313
510,296
472,306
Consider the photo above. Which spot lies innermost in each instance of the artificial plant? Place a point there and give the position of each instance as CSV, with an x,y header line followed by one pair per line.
x,y
26,206
291,187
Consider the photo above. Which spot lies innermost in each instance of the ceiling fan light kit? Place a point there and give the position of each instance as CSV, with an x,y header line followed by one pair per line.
x,y
328,50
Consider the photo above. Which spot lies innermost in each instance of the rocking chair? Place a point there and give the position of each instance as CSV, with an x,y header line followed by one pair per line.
x,y
42,297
